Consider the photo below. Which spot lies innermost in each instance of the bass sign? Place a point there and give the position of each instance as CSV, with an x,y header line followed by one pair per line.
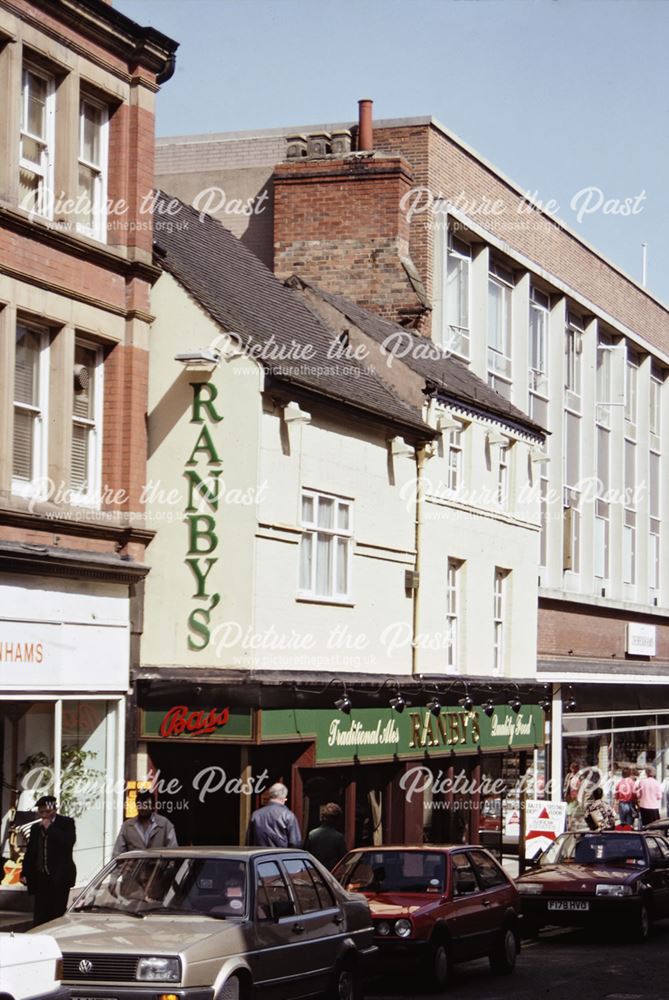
x,y
179,719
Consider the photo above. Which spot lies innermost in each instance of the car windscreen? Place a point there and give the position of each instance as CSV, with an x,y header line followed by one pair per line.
x,y
138,886
394,871
593,849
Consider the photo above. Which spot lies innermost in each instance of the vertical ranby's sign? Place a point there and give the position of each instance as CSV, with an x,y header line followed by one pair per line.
x,y
203,472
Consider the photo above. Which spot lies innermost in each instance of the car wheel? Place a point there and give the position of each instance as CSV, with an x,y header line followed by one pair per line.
x,y
231,990
503,956
346,983
440,972
643,924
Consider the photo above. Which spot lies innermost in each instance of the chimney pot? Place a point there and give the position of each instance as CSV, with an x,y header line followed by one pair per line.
x,y
365,128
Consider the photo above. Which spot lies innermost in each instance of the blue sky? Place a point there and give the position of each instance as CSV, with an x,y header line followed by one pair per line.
x,y
569,98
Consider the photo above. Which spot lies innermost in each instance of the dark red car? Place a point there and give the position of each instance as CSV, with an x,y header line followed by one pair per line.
x,y
436,906
617,877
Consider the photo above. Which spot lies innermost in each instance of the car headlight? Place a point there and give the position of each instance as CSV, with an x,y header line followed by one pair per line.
x,y
604,889
403,928
529,888
383,928
159,970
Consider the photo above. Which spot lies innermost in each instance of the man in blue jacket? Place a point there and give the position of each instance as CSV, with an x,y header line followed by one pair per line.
x,y
274,825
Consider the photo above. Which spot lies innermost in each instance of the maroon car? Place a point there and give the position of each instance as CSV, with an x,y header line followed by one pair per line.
x,y
617,877
436,906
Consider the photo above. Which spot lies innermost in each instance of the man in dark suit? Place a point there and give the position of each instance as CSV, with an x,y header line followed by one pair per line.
x,y
48,868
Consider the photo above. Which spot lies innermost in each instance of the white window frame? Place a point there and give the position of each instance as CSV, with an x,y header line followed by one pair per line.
x,y
456,334
45,169
99,230
311,530
499,357
453,578
631,390
573,367
538,373
655,523
655,408
500,589
503,473
454,464
91,497
41,413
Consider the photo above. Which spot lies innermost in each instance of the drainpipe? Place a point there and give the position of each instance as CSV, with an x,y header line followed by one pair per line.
x,y
420,463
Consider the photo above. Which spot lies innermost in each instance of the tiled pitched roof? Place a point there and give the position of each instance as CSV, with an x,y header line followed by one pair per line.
x,y
243,296
452,378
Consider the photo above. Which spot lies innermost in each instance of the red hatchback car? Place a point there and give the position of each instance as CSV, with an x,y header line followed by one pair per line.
x,y
436,906
620,878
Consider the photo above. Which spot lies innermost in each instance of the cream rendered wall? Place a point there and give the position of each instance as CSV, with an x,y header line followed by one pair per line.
x,y
334,455
182,326
471,527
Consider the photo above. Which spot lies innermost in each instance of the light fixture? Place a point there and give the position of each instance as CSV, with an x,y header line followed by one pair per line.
x,y
467,702
544,704
399,703
488,707
204,359
570,704
434,707
344,704
515,703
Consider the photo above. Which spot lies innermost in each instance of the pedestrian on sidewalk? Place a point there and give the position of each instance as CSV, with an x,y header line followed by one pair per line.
x,y
146,830
598,814
649,795
274,825
626,798
48,866
325,841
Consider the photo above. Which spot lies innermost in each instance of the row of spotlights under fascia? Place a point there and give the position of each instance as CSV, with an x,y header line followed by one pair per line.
x,y
398,703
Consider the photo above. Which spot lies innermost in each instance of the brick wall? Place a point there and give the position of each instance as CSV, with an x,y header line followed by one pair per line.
x,y
338,223
586,632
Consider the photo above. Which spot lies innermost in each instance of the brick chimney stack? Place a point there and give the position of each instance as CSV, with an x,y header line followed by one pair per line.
x,y
338,222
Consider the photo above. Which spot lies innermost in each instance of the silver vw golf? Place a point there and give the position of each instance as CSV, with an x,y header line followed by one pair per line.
x,y
214,924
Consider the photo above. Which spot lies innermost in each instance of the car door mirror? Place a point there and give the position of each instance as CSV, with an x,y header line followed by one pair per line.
x,y
281,908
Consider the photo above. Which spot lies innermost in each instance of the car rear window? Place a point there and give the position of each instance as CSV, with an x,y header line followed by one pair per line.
x,y
395,871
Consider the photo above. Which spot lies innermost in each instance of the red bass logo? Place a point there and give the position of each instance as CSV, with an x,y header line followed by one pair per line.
x,y
180,720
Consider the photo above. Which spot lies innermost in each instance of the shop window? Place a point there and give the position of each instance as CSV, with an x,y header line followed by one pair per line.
x,y
38,97
86,423
31,388
92,168
325,546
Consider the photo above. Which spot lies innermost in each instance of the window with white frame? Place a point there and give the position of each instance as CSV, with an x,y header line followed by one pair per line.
x,y
503,475
31,387
500,288
454,461
453,612
629,521
573,349
499,616
543,511
602,509
456,297
654,511
631,384
539,315
325,546
92,179
85,459
603,381
37,136
572,493
655,405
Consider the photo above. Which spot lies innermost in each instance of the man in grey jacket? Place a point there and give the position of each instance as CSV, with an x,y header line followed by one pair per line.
x,y
145,831
274,825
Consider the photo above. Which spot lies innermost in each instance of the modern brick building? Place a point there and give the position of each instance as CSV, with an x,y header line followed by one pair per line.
x,y
78,83
416,226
